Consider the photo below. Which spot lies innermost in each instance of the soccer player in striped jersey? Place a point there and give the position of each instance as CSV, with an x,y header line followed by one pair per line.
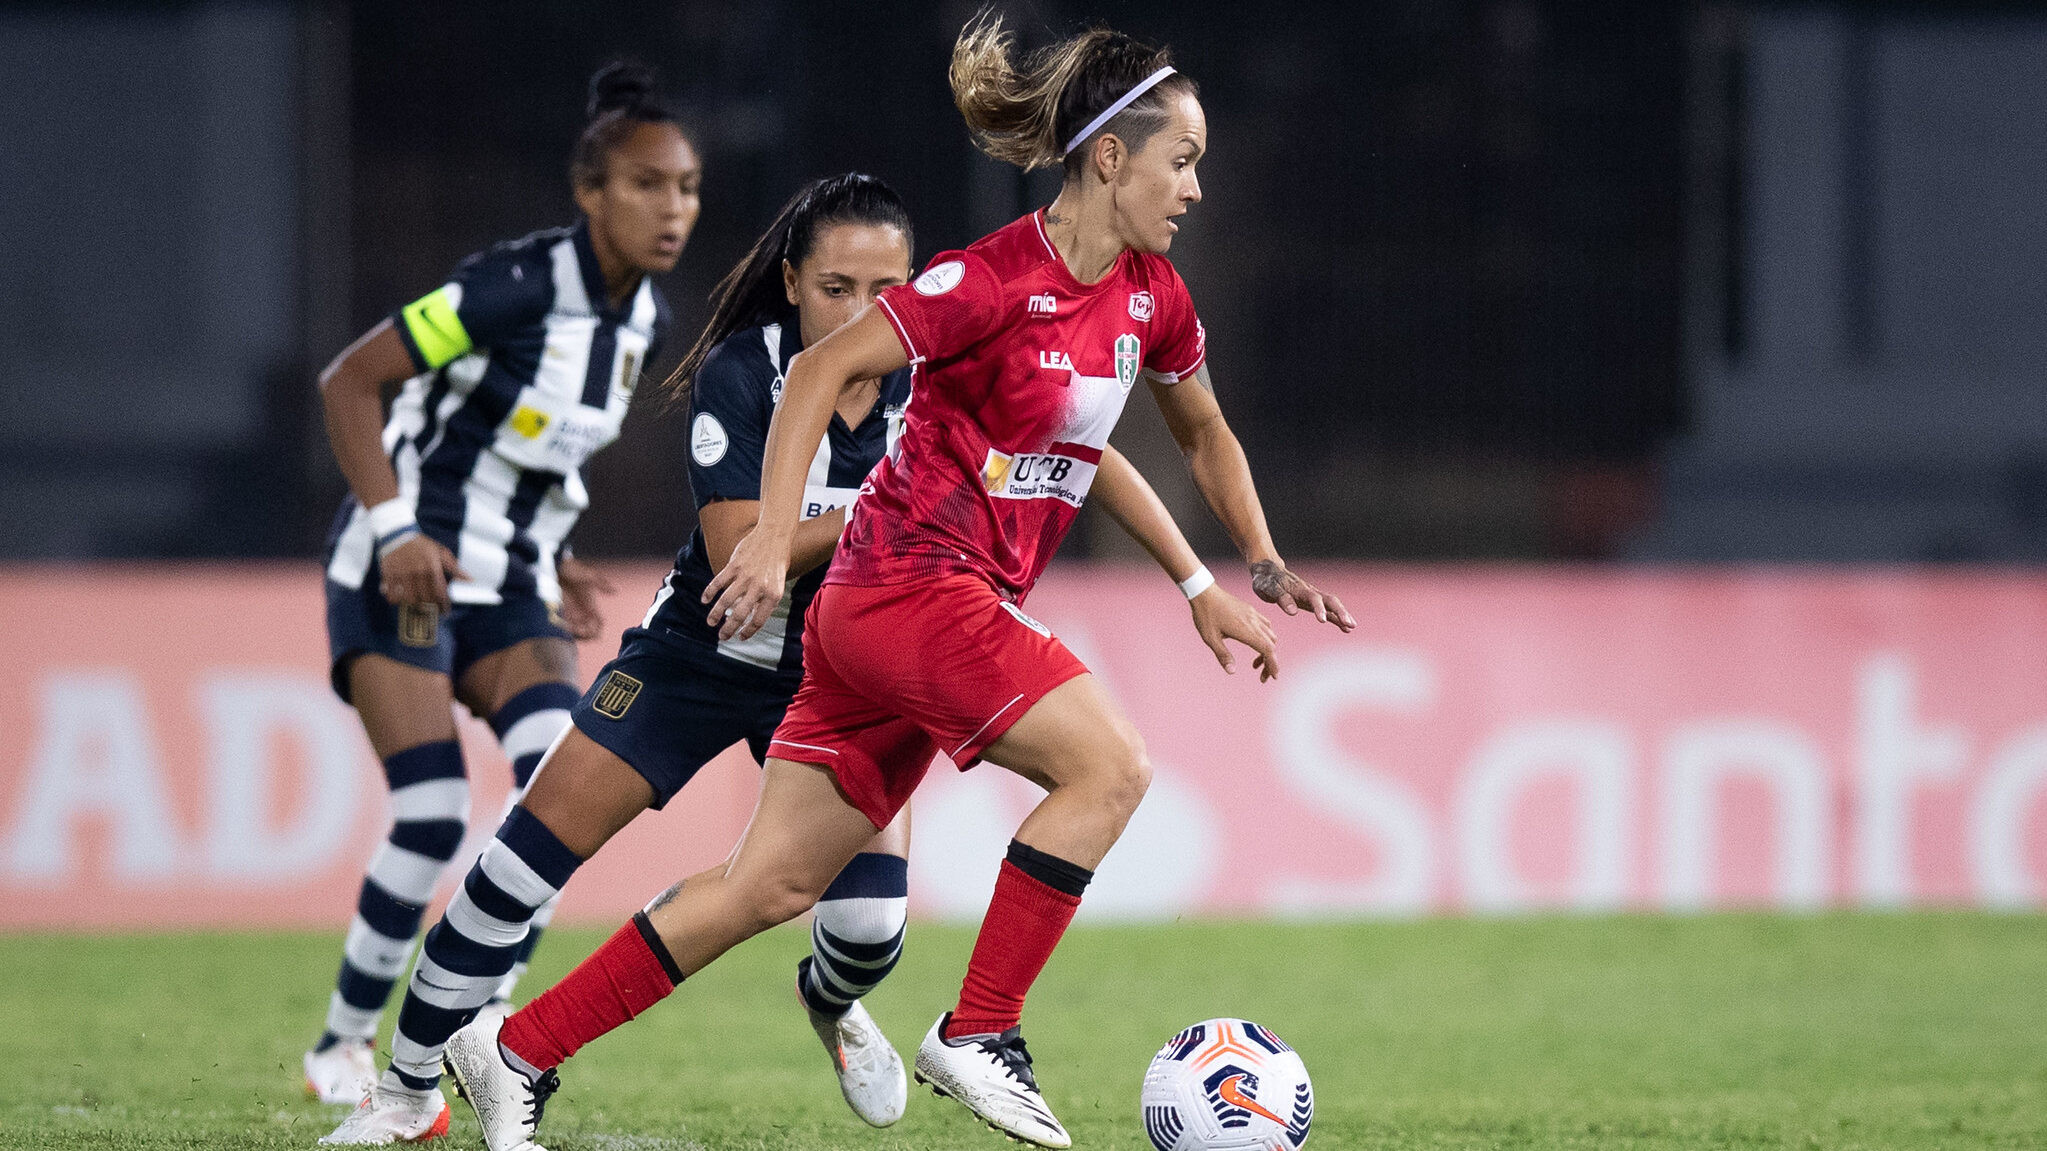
x,y
448,573
679,694
1024,347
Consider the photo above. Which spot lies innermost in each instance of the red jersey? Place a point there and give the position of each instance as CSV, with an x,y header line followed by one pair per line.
x,y
1018,374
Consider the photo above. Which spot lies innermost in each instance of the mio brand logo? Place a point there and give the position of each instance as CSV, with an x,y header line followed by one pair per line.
x,y
1044,304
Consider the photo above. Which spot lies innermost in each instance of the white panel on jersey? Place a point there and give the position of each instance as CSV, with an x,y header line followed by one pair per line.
x,y
486,530
764,647
351,562
660,597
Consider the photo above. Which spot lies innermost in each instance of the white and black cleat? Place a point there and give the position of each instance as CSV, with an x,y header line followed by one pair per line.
x,y
508,1102
870,1072
991,1076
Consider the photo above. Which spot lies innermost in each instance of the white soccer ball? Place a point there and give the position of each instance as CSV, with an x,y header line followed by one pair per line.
x,y
1227,1085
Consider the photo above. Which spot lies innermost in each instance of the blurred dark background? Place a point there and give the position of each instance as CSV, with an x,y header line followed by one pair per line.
x,y
1500,279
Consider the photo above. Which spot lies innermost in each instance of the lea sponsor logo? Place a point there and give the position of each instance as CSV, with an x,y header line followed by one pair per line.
x,y
1055,361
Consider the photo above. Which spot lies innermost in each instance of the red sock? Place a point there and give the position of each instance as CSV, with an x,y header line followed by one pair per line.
x,y
629,973
1023,925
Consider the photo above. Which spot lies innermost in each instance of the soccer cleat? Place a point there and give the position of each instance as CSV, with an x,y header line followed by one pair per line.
x,y
392,1117
508,1105
343,1073
991,1076
870,1072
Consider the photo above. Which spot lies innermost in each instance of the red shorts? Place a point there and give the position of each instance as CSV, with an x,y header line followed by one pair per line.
x,y
892,675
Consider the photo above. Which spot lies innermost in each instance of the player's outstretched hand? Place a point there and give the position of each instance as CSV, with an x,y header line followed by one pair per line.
x,y
745,591
418,571
1292,594
581,585
1218,616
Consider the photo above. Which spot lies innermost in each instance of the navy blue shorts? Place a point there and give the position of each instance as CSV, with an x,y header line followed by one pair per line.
x,y
667,710
361,620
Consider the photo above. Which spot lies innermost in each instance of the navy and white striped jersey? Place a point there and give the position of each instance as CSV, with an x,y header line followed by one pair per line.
x,y
525,371
731,401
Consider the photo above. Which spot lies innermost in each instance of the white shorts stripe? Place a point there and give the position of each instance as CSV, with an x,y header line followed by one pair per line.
x,y
984,727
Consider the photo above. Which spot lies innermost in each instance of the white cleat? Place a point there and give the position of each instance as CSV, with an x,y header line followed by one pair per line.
x,y
870,1072
385,1117
508,1105
991,1076
344,1073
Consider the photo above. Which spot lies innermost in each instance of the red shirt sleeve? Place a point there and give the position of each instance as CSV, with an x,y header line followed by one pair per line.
x,y
1178,344
954,305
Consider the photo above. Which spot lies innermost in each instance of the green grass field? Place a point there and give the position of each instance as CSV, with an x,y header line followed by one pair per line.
x,y
1838,1031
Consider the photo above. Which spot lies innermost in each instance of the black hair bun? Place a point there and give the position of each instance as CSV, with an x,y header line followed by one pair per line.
x,y
621,84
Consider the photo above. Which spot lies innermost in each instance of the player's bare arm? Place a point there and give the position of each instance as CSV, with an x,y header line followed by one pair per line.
x,y
1223,476
745,591
1122,492
416,570
726,522
581,586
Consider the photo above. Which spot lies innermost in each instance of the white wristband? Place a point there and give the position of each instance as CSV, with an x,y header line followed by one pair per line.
x,y
1197,583
390,516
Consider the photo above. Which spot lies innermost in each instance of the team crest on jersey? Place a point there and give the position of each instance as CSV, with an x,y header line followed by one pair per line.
x,y
1126,361
615,695
629,373
1141,305
419,624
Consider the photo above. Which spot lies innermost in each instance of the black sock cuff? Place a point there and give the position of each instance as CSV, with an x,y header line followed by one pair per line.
x,y
1050,870
655,945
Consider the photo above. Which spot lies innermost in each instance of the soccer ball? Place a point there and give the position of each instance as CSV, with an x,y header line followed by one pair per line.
x,y
1227,1085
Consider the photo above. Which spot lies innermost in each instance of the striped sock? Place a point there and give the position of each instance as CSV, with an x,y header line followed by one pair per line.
x,y
529,723
470,949
429,807
526,727
856,935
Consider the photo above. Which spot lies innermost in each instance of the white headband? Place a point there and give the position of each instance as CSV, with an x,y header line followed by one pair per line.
x,y
1109,113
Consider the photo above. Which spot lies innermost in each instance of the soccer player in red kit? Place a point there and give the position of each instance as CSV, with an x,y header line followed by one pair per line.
x,y
1024,348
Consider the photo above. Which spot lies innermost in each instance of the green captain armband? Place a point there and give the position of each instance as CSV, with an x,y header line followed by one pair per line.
x,y
434,329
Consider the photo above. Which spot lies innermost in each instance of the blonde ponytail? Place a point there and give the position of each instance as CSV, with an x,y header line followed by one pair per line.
x,y
1012,110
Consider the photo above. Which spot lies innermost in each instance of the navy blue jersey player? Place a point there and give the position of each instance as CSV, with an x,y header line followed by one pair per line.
x,y
448,573
676,696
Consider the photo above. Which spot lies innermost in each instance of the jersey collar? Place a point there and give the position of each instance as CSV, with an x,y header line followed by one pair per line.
x,y
1060,271
593,275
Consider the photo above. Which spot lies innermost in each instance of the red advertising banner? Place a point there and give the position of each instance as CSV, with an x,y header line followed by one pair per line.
x,y
1490,740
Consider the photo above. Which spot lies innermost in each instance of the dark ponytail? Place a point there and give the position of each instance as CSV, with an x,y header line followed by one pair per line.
x,y
623,95
751,294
